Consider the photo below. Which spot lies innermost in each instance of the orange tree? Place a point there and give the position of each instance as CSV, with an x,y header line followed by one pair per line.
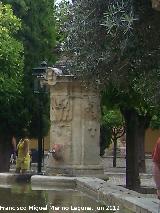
x,y
11,76
114,121
38,37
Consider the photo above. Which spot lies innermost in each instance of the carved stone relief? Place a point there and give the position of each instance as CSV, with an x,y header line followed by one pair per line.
x,y
91,114
74,116
61,107
62,137
92,128
62,132
50,77
91,109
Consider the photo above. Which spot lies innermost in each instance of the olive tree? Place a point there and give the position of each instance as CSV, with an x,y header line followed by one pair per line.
x,y
115,44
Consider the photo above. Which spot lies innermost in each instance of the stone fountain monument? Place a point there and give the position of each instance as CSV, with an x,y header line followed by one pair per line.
x,y
75,127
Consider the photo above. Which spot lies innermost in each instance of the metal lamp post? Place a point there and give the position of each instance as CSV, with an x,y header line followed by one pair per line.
x,y
39,89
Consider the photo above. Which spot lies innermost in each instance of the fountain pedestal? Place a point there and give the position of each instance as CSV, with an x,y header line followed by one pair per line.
x,y
75,127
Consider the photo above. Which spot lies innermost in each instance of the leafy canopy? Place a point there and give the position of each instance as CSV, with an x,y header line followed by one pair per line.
x,y
11,68
38,37
115,45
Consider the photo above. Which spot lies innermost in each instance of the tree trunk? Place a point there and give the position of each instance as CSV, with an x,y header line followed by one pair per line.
x,y
115,152
5,151
143,123
141,149
132,168
141,140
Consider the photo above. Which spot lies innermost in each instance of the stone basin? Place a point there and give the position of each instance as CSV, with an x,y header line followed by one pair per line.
x,y
98,189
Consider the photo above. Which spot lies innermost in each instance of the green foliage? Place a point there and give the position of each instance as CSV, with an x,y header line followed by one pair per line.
x,y
97,36
119,18
112,118
62,15
115,45
9,25
86,39
38,37
105,138
11,70
38,32
43,105
112,125
155,121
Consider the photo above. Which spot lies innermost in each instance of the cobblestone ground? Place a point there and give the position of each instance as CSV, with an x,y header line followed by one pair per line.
x,y
117,175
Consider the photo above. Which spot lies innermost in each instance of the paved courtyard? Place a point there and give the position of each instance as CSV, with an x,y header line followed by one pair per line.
x,y
117,175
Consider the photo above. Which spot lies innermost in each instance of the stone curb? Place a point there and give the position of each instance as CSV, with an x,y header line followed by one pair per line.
x,y
117,195
54,181
103,192
7,178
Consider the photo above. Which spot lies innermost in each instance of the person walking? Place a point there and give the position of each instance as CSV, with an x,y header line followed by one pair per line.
x,y
156,166
23,158
13,150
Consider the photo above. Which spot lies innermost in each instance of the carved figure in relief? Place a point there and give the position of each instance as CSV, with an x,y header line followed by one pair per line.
x,y
91,109
91,113
62,132
61,108
50,77
52,72
49,74
92,128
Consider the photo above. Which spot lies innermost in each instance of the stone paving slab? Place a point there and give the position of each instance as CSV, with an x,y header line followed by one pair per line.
x,y
121,164
117,175
121,180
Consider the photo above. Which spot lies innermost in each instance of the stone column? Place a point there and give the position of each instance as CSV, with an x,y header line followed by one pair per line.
x,y
75,127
